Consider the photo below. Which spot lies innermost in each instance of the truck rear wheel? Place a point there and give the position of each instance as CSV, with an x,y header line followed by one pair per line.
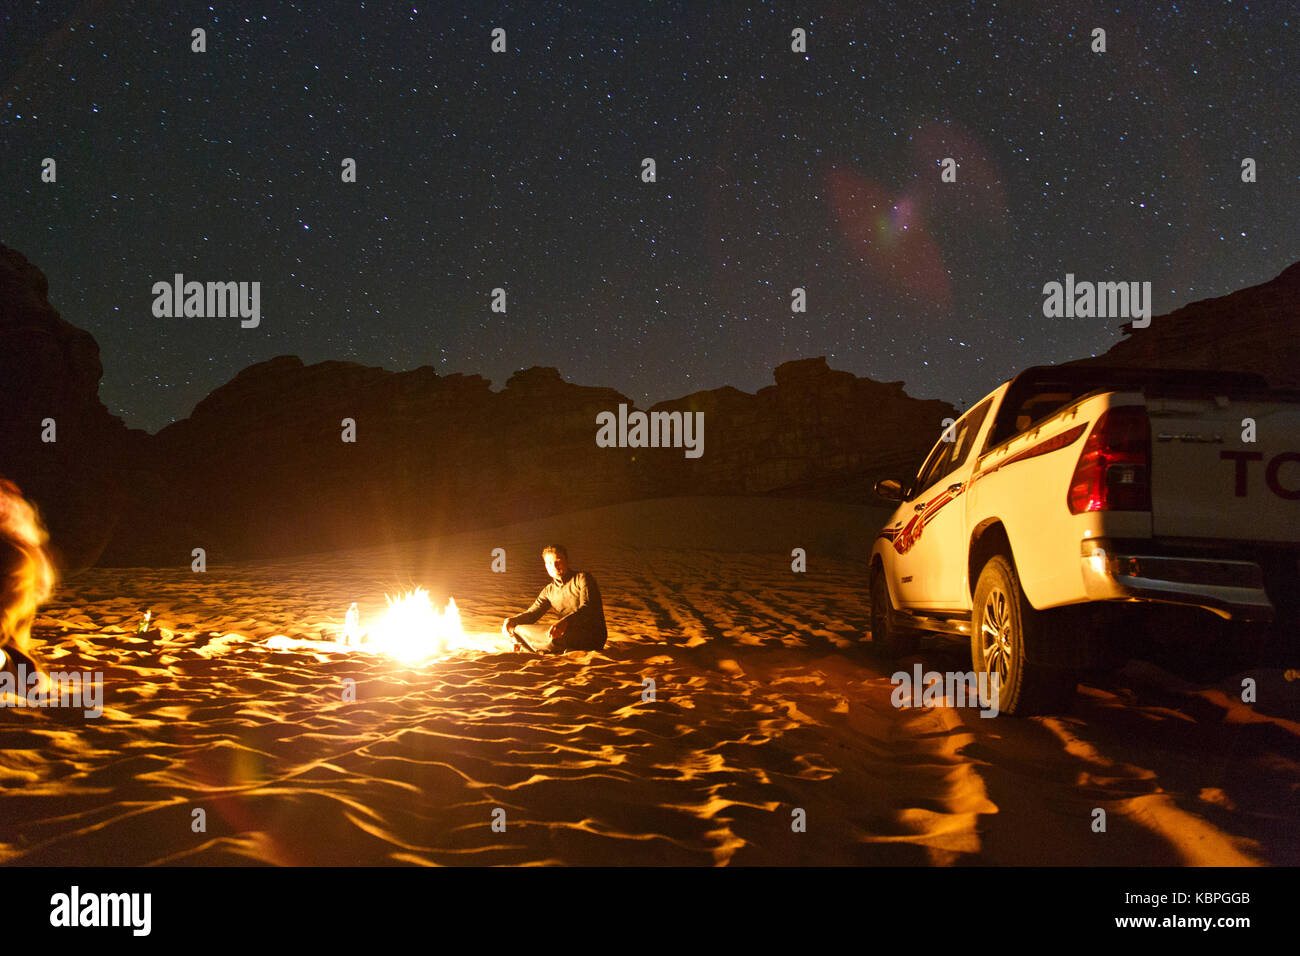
x,y
1007,639
888,641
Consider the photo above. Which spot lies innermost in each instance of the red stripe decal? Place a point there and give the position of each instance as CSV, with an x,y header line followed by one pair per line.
x,y
1055,443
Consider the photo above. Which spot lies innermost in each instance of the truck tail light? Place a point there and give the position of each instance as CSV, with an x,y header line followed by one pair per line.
x,y
1114,473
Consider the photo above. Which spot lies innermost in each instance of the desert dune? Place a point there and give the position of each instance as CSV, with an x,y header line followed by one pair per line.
x,y
767,702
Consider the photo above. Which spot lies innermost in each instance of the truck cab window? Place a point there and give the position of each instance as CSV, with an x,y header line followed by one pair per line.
x,y
948,456
1023,414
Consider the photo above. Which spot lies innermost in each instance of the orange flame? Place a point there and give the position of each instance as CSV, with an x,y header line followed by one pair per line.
x,y
26,574
413,628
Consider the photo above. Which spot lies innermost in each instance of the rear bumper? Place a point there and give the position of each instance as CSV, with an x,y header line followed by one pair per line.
x,y
1232,588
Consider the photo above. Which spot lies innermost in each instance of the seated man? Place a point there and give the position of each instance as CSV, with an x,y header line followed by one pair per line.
x,y
572,595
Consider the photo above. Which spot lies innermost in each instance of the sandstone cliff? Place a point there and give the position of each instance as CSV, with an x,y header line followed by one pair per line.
x,y
1256,329
50,371
259,468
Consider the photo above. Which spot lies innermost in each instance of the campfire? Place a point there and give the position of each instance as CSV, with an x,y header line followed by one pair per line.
x,y
412,628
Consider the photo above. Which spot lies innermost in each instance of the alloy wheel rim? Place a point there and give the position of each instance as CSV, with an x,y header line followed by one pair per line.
x,y
995,635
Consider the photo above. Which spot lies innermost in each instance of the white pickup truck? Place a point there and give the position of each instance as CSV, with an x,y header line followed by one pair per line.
x,y
1078,505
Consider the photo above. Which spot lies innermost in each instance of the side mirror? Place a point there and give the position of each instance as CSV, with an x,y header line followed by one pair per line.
x,y
890,490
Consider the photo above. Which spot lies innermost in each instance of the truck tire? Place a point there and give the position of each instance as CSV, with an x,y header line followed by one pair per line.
x,y
1007,638
888,641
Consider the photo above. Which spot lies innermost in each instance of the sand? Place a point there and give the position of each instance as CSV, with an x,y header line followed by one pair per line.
x,y
768,712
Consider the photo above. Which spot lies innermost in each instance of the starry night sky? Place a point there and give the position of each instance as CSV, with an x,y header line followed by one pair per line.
x,y
522,170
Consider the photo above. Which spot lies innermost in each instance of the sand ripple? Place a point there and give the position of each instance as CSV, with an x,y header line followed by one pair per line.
x,y
765,709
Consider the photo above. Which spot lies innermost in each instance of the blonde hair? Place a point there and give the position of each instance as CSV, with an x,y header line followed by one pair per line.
x,y
26,574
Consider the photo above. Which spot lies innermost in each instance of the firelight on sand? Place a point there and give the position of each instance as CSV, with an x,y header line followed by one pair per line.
x,y
412,628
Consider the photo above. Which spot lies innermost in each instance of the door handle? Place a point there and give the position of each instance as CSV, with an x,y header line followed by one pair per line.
x,y
954,488
919,506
